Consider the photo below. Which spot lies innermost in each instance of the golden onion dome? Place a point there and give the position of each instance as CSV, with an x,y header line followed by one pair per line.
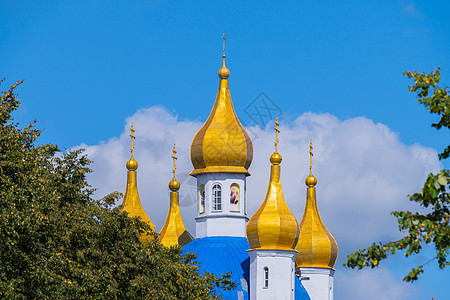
x,y
273,226
174,231
131,202
222,144
316,246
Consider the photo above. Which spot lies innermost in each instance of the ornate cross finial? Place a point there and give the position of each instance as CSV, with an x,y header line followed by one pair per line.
x,y
310,157
132,139
224,45
174,157
276,134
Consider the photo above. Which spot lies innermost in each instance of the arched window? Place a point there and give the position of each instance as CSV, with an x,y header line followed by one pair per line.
x,y
266,277
217,197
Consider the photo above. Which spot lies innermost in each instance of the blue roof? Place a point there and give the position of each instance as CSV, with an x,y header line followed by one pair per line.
x,y
223,254
300,291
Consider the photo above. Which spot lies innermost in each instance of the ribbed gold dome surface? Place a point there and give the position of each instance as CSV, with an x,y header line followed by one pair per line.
x,y
273,226
174,231
222,144
132,204
316,246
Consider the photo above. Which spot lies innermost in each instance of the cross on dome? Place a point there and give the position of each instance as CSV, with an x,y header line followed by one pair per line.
x,y
224,45
132,139
174,157
276,134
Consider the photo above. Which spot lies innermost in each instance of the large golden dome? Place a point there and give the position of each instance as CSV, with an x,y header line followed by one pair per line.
x,y
316,246
222,144
273,226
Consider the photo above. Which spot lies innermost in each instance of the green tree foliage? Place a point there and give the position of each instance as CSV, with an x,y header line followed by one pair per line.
x,y
56,242
432,227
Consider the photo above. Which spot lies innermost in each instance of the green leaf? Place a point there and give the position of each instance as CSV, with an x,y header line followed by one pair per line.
x,y
442,180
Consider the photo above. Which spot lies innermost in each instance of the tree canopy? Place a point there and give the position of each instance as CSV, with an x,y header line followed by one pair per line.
x,y
420,228
58,242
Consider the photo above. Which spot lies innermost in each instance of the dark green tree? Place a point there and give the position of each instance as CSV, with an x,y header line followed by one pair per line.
x,y
428,228
56,242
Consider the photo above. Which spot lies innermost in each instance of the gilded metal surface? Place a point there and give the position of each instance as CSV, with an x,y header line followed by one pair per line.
x,y
131,202
316,246
273,226
174,232
222,144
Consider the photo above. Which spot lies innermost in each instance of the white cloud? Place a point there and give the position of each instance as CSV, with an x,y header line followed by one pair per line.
x,y
372,284
364,172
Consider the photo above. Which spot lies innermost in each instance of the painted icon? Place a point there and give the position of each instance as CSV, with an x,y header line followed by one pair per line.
x,y
201,194
234,197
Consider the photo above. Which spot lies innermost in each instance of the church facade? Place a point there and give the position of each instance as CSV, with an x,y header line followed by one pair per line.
x,y
271,254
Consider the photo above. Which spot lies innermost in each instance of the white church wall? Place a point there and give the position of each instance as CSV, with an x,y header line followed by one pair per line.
x,y
318,282
223,225
279,265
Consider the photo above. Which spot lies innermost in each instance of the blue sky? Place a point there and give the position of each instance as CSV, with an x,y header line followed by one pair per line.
x,y
89,66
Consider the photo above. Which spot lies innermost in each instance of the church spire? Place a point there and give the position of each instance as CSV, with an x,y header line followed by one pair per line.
x,y
273,226
316,247
174,231
131,202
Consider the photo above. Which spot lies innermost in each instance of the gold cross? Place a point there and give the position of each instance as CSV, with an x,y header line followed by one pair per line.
x,y
276,134
132,139
224,44
310,157
174,159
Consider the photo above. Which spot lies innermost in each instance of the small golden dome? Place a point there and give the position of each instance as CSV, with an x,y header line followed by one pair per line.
x,y
273,226
174,185
316,246
222,144
311,181
132,164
